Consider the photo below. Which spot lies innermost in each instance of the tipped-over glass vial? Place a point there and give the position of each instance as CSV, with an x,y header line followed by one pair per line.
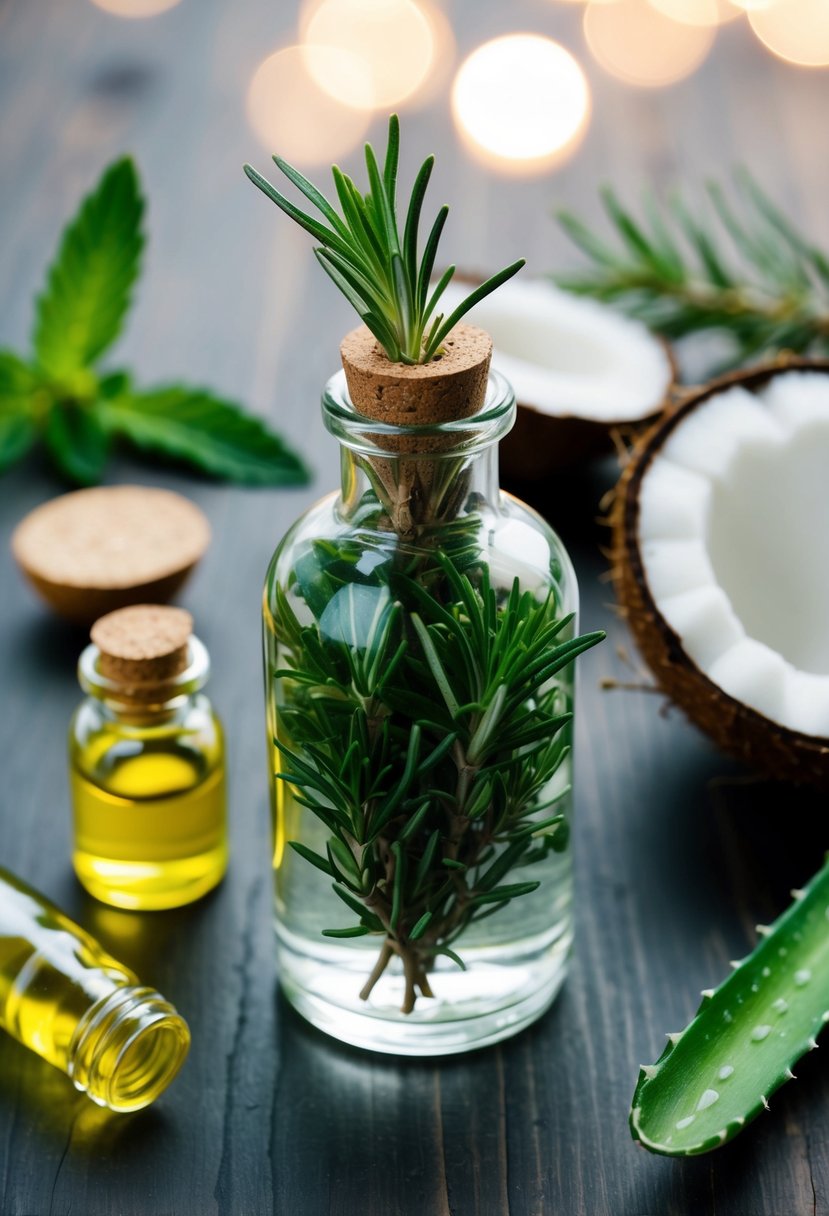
x,y
146,759
65,998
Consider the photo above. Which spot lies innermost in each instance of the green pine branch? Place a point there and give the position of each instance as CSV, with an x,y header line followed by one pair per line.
x,y
742,268
62,398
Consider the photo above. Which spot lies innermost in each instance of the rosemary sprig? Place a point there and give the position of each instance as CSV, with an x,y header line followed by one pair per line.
x,y
374,265
422,725
745,270
60,395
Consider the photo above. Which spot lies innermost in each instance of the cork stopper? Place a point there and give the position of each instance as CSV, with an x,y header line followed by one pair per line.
x,y
143,646
450,386
92,551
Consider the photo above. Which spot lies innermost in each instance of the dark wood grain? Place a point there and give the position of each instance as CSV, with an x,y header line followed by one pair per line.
x,y
679,852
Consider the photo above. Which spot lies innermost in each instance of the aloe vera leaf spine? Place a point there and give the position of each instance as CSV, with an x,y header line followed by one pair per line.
x,y
718,1074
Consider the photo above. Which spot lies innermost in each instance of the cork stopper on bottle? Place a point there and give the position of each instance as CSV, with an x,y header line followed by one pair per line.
x,y
143,646
449,387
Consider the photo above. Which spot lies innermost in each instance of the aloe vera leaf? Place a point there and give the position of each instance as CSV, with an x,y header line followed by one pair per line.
x,y
718,1074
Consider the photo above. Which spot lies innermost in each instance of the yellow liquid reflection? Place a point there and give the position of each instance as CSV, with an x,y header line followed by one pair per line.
x,y
150,828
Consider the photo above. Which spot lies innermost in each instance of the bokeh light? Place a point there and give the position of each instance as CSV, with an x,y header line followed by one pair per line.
x,y
444,49
135,8
392,38
520,102
751,5
697,12
293,116
795,30
640,45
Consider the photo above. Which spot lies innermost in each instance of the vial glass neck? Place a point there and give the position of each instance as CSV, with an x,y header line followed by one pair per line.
x,y
143,703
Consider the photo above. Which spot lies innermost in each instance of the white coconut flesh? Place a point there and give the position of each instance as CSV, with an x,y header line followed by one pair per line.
x,y
733,534
569,357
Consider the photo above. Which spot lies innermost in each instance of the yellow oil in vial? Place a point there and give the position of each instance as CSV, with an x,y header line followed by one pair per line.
x,y
68,1000
150,820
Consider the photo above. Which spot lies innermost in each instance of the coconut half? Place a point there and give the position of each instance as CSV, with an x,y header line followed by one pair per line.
x,y
579,369
721,546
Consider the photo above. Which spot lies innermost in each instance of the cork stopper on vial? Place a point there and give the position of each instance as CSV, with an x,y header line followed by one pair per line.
x,y
143,647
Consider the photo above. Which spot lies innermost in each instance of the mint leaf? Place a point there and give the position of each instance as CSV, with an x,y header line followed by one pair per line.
x,y
77,441
88,287
192,425
18,384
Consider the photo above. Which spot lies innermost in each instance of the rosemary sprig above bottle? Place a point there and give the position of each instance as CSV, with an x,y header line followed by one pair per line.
x,y
374,265
746,270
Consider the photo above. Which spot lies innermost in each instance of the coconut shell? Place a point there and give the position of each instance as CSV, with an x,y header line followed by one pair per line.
x,y
741,731
542,443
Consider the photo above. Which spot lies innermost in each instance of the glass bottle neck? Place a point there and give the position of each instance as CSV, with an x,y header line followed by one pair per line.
x,y
411,479
429,490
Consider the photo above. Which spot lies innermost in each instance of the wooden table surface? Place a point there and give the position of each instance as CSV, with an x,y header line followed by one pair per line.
x,y
679,852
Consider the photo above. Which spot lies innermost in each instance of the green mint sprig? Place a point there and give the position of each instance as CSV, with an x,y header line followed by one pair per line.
x,y
62,398
374,265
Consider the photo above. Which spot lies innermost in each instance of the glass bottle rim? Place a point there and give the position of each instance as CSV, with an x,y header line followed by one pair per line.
x,y
468,436
158,694
127,1048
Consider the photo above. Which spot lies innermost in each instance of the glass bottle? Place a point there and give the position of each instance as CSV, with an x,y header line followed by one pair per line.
x,y
381,779
65,998
146,759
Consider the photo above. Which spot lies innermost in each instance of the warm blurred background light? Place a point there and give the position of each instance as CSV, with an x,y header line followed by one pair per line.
x,y
796,30
520,102
293,116
444,49
641,45
697,12
393,39
135,8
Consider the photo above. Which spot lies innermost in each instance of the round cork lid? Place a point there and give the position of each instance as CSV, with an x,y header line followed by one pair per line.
x,y
95,550
143,644
451,386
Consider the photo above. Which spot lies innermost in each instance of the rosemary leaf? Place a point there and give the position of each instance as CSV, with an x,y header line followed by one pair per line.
x,y
375,267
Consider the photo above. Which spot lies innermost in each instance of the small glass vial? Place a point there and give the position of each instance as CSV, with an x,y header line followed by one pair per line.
x,y
65,998
146,758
